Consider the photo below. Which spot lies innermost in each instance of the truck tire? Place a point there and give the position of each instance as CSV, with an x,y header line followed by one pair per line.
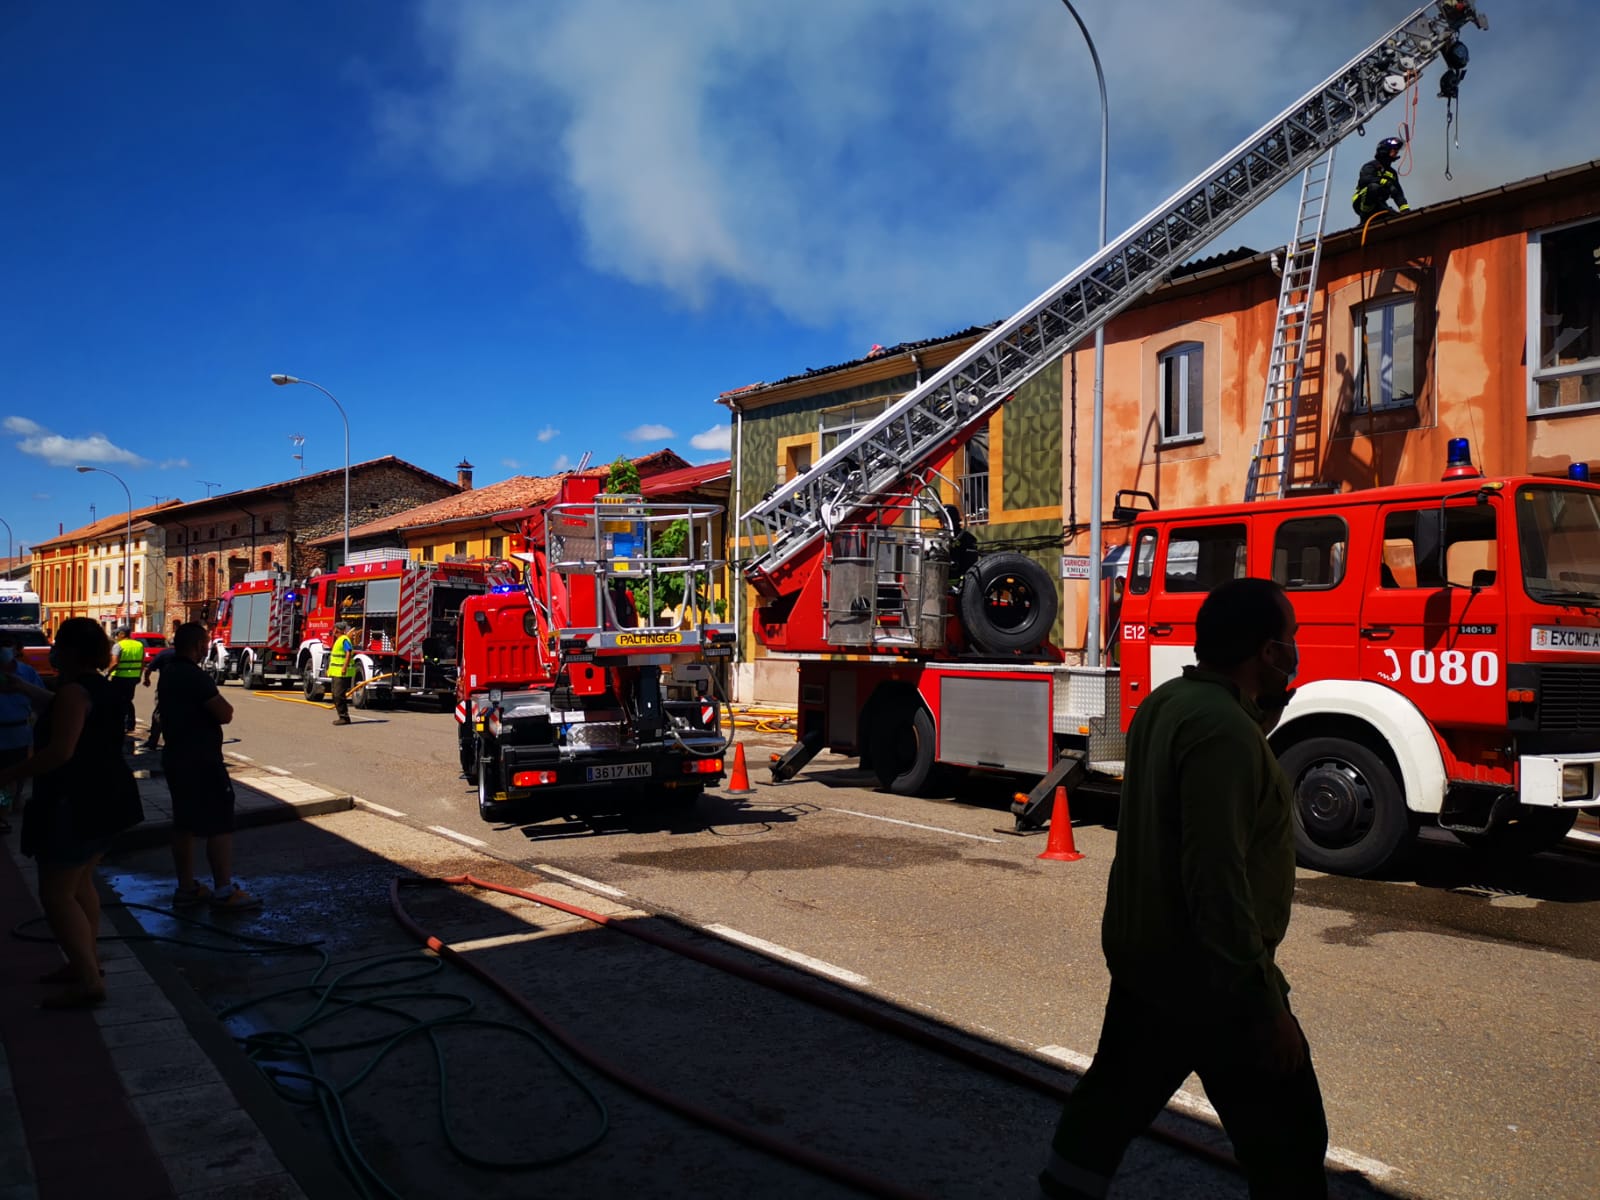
x,y
469,754
247,672
1534,831
1349,810
312,686
901,744
1008,603
489,786
361,697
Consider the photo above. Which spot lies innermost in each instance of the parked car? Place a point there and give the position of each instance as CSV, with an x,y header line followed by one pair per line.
x,y
35,647
154,644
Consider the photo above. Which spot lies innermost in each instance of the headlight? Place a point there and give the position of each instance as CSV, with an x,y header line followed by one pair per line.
x,y
1577,781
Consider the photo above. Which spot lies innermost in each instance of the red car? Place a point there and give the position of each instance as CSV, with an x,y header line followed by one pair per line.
x,y
154,644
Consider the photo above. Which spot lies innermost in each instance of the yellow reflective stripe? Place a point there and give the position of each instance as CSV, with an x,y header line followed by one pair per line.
x,y
130,660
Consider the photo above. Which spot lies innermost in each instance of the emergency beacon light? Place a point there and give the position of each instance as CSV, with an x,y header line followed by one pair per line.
x,y
1458,465
1578,471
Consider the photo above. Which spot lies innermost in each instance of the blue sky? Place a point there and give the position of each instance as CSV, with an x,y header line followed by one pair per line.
x,y
520,230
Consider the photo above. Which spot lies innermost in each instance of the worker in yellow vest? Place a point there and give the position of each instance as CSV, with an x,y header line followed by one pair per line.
x,y
342,669
127,665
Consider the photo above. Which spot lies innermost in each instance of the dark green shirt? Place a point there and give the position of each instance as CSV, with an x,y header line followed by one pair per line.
x,y
1204,873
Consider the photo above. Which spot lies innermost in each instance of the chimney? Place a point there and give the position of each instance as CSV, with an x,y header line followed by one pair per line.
x,y
464,475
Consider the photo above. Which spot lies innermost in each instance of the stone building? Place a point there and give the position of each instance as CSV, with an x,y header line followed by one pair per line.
x,y
212,543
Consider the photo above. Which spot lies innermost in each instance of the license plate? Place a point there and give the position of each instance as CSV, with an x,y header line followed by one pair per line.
x,y
617,771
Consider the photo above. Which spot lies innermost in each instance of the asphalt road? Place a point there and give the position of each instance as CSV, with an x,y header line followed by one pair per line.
x,y
1449,1010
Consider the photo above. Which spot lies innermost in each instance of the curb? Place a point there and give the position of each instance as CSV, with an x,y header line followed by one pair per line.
x,y
288,808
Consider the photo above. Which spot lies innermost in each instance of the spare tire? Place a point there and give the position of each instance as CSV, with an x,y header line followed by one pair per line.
x,y
1008,603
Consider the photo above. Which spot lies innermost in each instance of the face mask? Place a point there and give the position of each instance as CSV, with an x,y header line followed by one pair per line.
x,y
7,656
1294,662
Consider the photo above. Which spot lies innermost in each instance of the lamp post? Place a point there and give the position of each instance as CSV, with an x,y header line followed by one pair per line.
x,y
7,524
281,381
1096,463
127,547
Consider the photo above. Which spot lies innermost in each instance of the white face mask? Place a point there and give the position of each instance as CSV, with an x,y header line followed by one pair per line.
x,y
1294,662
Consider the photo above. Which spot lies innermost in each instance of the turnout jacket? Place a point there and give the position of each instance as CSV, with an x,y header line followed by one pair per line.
x,y
1377,185
1203,877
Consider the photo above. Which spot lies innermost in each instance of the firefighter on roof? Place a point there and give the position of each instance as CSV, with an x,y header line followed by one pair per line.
x,y
1378,183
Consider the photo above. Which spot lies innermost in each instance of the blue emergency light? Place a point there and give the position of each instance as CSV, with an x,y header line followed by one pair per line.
x,y
1458,465
501,588
1578,471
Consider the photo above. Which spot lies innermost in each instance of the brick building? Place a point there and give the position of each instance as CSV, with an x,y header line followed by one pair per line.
x,y
84,572
212,543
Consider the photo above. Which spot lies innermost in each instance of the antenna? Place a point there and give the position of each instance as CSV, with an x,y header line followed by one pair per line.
x,y
208,485
298,440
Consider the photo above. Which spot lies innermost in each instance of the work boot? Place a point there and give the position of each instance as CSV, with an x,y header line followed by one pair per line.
x,y
341,720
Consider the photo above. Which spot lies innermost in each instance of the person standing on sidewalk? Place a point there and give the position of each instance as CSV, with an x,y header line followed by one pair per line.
x,y
193,713
1197,903
83,796
341,669
154,667
21,691
127,665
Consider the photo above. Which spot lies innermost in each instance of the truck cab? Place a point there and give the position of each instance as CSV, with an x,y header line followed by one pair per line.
x,y
1449,653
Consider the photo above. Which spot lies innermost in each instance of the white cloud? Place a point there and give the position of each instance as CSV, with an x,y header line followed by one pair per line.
x,y
562,463
168,464
61,451
548,433
511,464
41,495
718,437
915,183
649,433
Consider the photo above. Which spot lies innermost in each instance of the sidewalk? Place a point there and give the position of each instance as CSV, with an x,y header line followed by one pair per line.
x,y
126,1099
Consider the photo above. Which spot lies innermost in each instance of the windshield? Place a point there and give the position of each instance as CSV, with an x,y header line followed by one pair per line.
x,y
19,612
1559,529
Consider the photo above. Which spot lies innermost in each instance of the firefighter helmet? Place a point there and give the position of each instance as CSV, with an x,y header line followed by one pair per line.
x,y
1389,149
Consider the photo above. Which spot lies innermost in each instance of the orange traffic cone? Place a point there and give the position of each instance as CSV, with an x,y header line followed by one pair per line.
x,y
739,784
1061,847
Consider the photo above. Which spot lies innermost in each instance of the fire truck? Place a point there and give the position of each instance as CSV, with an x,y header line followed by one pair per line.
x,y
255,636
592,679
1468,697
403,615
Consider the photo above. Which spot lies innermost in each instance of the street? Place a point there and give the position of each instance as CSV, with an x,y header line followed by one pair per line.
x,y
1447,1008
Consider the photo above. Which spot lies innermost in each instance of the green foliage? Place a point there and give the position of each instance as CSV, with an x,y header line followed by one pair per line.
x,y
673,542
624,477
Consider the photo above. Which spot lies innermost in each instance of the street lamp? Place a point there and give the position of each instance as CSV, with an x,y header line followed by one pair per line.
x,y
1096,464
127,548
7,524
282,380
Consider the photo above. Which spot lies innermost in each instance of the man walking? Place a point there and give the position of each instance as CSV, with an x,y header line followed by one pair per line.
x,y
341,669
127,664
193,713
1197,903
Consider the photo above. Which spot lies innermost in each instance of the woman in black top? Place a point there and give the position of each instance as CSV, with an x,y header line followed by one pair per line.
x,y
83,795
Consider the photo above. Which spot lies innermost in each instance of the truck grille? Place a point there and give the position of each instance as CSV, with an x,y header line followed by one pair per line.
x,y
1569,699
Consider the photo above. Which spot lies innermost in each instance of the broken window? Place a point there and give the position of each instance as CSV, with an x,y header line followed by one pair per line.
x,y
1564,264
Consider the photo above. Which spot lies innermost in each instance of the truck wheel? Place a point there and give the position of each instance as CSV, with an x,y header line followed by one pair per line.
x,y
312,685
488,788
1349,811
1534,831
469,755
361,697
247,669
901,745
1008,603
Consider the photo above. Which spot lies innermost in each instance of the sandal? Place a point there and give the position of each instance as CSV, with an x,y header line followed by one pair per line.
x,y
78,997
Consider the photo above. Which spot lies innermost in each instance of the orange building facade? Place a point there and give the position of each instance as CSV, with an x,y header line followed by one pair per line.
x,y
1477,317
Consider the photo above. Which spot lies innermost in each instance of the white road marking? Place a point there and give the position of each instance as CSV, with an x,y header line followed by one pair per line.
x,y
592,885
460,837
277,770
977,837
783,952
1198,1106
382,808
491,943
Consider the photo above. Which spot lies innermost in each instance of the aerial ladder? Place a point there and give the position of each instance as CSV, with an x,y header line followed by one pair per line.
x,y
867,475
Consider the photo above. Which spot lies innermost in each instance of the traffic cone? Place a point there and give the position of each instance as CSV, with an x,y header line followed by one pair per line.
x,y
739,784
1061,847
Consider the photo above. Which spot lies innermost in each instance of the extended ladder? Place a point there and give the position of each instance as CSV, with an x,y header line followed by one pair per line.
x,y
1271,467
914,433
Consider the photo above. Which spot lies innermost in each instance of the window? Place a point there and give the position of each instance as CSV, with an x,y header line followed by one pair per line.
x,y
1144,563
266,560
797,458
1203,557
94,581
136,567
233,530
497,547
1412,545
1308,553
1564,264
427,554
837,424
974,479
1386,354
266,525
1182,393
461,549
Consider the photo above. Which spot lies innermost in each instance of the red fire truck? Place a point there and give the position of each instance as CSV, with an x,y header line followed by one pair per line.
x,y
256,632
403,616
592,676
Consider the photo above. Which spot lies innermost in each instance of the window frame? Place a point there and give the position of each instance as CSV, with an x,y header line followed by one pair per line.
x,y
1358,327
1534,283
1338,559
1164,359
1218,531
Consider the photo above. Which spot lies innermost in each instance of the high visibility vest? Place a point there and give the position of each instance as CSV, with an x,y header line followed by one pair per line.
x,y
130,660
339,664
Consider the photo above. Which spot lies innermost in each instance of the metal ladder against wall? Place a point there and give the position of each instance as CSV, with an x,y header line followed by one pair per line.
x,y
927,423
1272,466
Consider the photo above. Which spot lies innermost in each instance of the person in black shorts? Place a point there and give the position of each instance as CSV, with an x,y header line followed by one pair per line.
x,y
192,716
